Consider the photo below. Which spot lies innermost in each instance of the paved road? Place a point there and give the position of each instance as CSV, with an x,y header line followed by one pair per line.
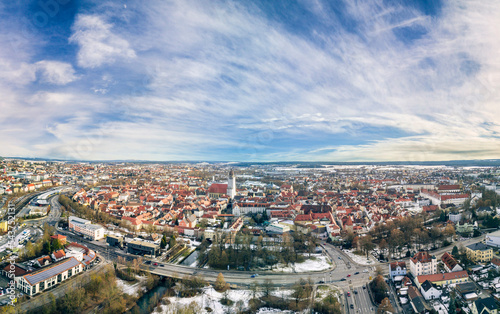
x,y
52,218
241,278
361,300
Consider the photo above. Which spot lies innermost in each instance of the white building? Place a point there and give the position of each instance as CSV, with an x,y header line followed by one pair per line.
x,y
397,269
429,291
277,228
242,209
455,217
86,228
48,276
423,264
492,241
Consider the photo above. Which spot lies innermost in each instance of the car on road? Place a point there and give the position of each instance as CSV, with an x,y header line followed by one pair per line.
x,y
365,271
355,291
343,279
155,264
352,306
348,294
161,265
147,262
349,275
254,275
364,288
356,273
340,257
321,281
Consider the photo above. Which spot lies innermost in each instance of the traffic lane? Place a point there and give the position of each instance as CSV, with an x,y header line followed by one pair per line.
x,y
351,307
364,301
233,277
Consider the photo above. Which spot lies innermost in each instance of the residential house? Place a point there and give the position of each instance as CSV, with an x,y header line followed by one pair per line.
x,y
479,252
416,300
443,279
430,291
423,264
484,306
450,263
397,269
465,228
58,255
60,237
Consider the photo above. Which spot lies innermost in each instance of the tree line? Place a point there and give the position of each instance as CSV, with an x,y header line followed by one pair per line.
x,y
243,251
86,212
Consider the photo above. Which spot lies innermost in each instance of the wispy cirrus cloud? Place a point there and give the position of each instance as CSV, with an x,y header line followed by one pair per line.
x,y
259,81
97,43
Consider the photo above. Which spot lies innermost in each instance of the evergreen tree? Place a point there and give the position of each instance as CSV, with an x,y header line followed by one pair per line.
x,y
454,252
163,242
47,249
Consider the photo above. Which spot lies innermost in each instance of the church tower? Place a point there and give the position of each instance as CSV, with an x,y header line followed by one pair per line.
x,y
231,185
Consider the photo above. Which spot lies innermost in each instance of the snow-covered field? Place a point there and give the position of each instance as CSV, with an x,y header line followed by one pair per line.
x,y
319,263
211,298
361,259
130,289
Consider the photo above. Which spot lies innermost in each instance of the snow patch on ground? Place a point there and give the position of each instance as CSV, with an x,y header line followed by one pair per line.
x,y
209,298
131,289
319,263
360,259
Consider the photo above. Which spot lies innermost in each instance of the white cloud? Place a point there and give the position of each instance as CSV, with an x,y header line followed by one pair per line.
x,y
97,43
226,73
55,72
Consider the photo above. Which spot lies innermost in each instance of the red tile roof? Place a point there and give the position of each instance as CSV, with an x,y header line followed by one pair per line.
x,y
394,265
218,188
422,257
441,277
59,254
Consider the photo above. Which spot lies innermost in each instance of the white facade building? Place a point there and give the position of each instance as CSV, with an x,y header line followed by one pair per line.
x,y
48,276
397,269
277,228
429,291
492,241
423,264
86,228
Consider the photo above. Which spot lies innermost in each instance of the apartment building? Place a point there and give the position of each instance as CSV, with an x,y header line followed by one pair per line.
x,y
423,264
86,228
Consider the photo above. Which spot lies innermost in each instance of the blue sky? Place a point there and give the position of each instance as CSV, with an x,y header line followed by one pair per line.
x,y
280,80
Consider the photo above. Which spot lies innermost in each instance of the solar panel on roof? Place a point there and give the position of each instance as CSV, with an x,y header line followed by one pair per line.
x,y
51,271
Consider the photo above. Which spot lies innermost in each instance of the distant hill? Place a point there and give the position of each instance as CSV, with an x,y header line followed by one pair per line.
x,y
299,164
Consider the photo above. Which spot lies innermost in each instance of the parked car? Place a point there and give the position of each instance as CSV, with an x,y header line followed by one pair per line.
x,y
356,273
349,275
343,279
348,294
254,275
